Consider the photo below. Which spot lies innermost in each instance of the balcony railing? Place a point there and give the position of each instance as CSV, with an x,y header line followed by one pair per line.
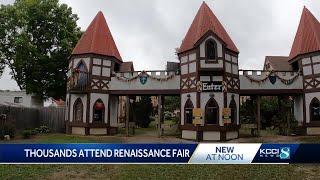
x,y
78,81
160,73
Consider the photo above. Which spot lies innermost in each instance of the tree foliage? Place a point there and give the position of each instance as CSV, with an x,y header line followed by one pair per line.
x,y
143,110
36,39
171,103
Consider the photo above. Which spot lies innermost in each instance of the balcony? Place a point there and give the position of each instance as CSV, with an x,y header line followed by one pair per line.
x,y
270,83
78,81
145,82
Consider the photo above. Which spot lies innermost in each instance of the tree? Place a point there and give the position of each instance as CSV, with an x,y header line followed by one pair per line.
x,y
171,103
36,39
143,110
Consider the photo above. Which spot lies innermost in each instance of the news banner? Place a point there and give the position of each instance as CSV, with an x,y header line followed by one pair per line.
x,y
203,153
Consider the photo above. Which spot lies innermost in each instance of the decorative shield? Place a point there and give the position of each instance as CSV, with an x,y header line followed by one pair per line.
x,y
273,79
143,79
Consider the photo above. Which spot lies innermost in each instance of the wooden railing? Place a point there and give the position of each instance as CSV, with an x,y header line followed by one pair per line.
x,y
78,81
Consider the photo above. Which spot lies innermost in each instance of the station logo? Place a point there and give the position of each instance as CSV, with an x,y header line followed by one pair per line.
x,y
279,153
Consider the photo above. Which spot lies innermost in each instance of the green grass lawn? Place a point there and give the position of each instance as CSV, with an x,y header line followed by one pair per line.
x,y
159,171
64,138
301,171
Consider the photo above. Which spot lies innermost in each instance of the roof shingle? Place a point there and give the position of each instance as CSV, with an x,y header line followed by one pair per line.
x,y
307,38
97,39
205,21
279,63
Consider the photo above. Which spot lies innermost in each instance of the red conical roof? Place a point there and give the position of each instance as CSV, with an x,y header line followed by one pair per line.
x,y
97,39
308,35
206,21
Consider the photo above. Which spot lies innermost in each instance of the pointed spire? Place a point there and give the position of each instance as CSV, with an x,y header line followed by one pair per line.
x,y
206,21
307,38
97,39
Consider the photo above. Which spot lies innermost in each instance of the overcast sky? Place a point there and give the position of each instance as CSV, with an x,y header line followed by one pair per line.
x,y
148,31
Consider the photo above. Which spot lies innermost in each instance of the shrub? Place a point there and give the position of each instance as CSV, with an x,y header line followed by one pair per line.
x,y
8,128
34,132
43,130
26,134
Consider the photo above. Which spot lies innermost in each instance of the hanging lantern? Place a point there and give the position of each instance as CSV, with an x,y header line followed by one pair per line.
x,y
99,106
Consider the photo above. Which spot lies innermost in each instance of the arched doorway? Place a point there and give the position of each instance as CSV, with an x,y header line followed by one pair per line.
x,y
78,111
98,111
188,107
315,110
233,107
212,112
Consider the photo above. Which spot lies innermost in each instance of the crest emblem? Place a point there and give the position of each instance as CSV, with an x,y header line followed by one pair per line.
x,y
143,79
273,79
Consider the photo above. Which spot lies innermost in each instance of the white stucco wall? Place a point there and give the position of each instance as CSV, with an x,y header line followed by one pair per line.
x,y
192,135
151,84
28,100
245,83
298,108
211,135
114,101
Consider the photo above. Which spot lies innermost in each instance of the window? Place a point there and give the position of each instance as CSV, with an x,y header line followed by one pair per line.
x,y
18,100
188,116
78,111
233,107
98,111
212,112
211,49
315,110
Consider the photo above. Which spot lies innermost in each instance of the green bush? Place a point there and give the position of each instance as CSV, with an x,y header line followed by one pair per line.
x,y
34,132
7,129
26,134
43,130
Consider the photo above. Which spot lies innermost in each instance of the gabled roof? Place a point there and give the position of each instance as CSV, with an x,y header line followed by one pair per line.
x,y
97,39
279,63
308,35
126,67
205,21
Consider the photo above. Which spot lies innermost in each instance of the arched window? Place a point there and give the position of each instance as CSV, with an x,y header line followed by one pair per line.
x,y
188,107
98,111
233,107
78,111
212,112
81,74
315,110
211,49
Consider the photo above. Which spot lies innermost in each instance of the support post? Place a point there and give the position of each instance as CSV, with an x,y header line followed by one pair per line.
x,y
127,115
159,115
258,115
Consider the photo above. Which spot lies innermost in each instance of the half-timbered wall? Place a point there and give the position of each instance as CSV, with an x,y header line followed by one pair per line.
x,y
311,72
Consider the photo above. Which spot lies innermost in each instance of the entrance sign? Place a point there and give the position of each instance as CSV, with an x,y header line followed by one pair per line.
x,y
226,115
197,116
211,86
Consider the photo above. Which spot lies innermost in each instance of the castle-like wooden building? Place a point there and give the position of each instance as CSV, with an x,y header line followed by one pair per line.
x,y
207,78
